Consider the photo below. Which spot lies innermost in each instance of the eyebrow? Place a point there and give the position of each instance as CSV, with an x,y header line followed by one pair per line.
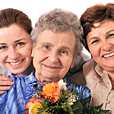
x,y
2,43
14,42
46,43
20,40
106,34
66,48
109,31
92,38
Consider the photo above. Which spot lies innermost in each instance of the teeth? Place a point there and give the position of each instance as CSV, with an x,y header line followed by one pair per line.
x,y
16,63
109,55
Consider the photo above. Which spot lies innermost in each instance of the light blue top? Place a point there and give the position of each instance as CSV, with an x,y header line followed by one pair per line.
x,y
13,101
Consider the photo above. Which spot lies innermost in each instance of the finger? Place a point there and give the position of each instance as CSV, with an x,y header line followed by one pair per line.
x,y
1,92
3,88
5,78
6,83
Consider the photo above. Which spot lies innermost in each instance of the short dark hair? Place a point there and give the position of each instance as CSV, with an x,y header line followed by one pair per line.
x,y
96,14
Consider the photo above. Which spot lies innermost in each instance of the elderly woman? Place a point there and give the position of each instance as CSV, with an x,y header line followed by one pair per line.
x,y
98,25
56,38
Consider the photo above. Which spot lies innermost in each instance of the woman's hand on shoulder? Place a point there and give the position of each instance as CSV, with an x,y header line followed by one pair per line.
x,y
5,83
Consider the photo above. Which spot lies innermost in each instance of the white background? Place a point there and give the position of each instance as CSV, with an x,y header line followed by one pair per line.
x,y
34,8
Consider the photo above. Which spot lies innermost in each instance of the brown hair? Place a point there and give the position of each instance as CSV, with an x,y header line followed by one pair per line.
x,y
10,16
96,14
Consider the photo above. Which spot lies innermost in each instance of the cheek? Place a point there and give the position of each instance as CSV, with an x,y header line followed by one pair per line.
x,y
38,57
94,50
66,62
3,56
27,53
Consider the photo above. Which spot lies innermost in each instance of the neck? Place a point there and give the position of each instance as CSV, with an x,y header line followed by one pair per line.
x,y
27,71
44,80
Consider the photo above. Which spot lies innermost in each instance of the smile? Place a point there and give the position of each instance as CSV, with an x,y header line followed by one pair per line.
x,y
108,55
16,63
51,67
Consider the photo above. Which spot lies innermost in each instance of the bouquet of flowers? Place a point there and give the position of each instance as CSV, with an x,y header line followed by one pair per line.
x,y
55,98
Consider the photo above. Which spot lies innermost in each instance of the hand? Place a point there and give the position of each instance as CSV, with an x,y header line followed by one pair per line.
x,y
5,82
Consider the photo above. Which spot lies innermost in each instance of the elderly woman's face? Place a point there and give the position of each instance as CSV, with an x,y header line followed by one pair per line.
x,y
53,55
101,44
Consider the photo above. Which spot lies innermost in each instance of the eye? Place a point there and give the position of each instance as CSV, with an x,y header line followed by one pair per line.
x,y
20,43
95,41
3,47
64,52
46,47
110,35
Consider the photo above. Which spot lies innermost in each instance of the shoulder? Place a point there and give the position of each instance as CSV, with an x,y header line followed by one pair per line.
x,y
79,88
90,64
89,67
91,75
77,78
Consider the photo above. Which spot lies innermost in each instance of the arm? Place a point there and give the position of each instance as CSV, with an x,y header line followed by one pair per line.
x,y
75,74
5,82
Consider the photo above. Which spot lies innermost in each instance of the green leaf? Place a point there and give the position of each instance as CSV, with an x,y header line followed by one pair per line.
x,y
77,107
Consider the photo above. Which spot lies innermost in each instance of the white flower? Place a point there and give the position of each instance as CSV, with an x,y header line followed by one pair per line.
x,y
62,85
71,99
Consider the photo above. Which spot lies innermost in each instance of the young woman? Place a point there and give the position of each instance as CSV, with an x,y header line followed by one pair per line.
x,y
15,44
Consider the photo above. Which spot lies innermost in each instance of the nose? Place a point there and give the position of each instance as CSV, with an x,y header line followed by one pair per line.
x,y
53,57
13,53
107,46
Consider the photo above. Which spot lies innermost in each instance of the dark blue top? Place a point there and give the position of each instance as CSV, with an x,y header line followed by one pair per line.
x,y
13,101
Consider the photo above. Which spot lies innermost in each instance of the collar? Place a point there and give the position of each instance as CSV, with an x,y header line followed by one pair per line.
x,y
30,79
103,75
101,72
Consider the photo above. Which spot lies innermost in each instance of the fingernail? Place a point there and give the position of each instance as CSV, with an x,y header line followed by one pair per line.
x,y
1,92
12,83
8,88
11,79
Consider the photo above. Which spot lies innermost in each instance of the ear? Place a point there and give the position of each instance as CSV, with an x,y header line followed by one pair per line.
x,y
32,54
72,64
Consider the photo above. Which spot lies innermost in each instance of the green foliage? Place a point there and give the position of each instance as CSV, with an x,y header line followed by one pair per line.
x,y
95,110
62,106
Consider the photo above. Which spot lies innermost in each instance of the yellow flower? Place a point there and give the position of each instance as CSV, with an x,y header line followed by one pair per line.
x,y
35,107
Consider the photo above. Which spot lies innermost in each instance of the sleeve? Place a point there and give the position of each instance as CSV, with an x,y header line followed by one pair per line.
x,y
3,99
81,89
85,94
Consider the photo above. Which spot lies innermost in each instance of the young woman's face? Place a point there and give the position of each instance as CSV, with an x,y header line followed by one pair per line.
x,y
15,48
101,44
53,55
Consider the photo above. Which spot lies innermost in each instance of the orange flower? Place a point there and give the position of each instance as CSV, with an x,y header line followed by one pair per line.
x,y
51,90
32,100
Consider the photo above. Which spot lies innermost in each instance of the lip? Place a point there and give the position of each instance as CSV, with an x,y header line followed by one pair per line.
x,y
51,66
108,55
16,64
